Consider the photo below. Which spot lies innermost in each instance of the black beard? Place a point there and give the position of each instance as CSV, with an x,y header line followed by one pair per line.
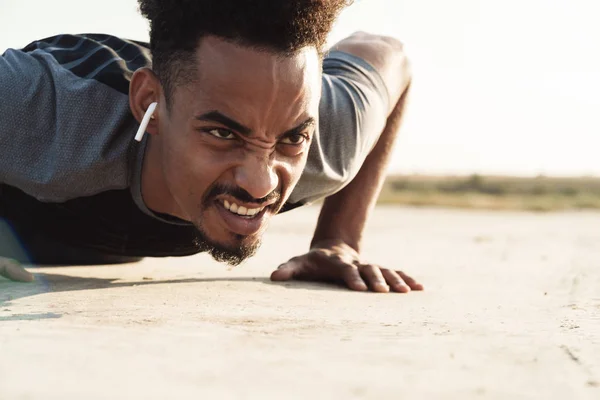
x,y
231,255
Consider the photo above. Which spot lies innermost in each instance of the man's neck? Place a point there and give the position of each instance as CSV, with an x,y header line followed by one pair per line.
x,y
155,191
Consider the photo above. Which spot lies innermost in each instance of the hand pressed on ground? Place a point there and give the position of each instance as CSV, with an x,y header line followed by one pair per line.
x,y
336,262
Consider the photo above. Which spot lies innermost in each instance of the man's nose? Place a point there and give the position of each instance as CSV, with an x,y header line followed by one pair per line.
x,y
257,176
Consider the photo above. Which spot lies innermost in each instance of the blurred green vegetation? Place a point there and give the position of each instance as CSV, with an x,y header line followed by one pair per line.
x,y
493,192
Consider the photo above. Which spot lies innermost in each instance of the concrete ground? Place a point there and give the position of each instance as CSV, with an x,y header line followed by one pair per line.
x,y
511,311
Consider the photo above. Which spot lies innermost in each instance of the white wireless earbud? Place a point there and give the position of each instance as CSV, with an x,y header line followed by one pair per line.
x,y
145,121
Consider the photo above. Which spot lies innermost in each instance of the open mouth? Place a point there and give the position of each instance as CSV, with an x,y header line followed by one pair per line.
x,y
242,219
241,210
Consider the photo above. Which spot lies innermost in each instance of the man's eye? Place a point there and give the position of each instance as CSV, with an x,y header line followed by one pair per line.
x,y
293,139
222,134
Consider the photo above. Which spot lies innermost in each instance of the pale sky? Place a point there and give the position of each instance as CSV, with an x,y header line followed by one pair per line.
x,y
500,87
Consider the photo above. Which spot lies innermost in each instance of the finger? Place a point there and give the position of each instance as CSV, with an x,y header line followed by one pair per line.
x,y
374,278
395,281
13,270
352,278
412,284
286,271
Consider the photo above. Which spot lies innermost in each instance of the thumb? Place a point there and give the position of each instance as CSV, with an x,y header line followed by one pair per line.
x,y
286,271
13,270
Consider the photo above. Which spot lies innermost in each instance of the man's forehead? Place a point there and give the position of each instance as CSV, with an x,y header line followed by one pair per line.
x,y
220,58
254,86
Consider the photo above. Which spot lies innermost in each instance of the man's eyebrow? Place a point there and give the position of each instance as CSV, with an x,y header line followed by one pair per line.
x,y
303,126
216,116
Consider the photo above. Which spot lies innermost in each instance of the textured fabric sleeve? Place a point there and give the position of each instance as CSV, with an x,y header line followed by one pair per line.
x,y
57,130
352,116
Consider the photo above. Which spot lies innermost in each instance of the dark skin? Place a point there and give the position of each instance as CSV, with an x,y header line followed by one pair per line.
x,y
250,128
245,128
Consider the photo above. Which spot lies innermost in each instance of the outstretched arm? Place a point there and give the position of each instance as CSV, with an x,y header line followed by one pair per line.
x,y
335,247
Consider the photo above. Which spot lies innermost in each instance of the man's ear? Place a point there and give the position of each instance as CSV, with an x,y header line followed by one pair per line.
x,y
145,89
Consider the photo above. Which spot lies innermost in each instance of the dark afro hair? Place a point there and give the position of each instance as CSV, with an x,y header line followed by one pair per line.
x,y
284,26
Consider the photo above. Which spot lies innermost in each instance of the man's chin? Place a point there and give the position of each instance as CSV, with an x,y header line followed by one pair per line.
x,y
236,251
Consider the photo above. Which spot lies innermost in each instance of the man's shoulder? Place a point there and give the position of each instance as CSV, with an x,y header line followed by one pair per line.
x,y
352,114
68,131
105,58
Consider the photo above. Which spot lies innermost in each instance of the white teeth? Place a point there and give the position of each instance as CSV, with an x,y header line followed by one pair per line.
x,y
241,210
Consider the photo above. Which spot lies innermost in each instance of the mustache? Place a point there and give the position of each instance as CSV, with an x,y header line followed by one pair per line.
x,y
240,194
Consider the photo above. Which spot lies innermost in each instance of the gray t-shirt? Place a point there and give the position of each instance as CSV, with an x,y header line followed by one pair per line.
x,y
66,130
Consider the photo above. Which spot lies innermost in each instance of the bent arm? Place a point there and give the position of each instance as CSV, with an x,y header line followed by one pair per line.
x,y
61,135
344,214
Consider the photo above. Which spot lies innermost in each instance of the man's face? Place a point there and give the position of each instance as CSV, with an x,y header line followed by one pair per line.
x,y
236,139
